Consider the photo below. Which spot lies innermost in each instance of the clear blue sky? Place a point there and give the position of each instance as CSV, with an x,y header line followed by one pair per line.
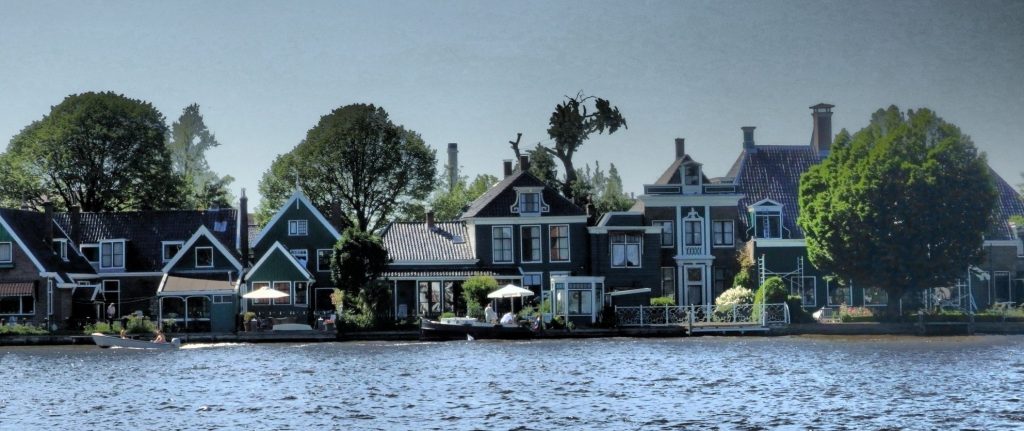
x,y
478,72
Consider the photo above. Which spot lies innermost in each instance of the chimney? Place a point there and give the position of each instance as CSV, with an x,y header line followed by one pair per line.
x,y
453,165
680,148
430,219
821,136
48,220
76,225
748,139
507,164
524,163
243,228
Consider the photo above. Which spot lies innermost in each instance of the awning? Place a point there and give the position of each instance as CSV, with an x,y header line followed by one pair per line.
x,y
174,286
16,288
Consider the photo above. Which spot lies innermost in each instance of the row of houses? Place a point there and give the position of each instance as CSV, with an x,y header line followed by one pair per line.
x,y
681,239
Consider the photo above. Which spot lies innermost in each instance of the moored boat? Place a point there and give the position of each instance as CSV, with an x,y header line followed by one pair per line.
x,y
106,341
470,329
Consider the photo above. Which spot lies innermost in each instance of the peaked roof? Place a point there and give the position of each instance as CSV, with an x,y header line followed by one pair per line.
x,y
498,200
773,172
145,230
27,228
203,232
266,257
1010,204
671,174
297,196
416,242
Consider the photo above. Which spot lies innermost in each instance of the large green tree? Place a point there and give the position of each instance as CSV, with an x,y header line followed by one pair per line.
x,y
358,260
355,165
901,205
189,141
100,151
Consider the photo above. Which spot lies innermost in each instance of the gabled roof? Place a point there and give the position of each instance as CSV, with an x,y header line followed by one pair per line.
x,y
416,242
297,197
1010,204
202,232
146,230
773,172
671,174
277,247
499,199
27,228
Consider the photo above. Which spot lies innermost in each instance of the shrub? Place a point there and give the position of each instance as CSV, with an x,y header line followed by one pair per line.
x,y
773,291
447,314
797,314
138,325
856,314
18,329
663,301
475,290
527,312
734,296
102,327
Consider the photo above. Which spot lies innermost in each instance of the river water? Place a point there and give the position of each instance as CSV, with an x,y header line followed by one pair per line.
x,y
692,383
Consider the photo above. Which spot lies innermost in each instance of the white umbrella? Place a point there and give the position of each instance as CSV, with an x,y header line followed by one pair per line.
x,y
510,291
265,292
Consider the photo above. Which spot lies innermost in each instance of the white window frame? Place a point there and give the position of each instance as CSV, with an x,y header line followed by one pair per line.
x,y
300,255
568,243
62,252
829,283
288,299
196,256
803,286
295,295
715,232
329,252
539,256
671,291
671,232
688,233
864,296
523,210
221,299
113,247
257,285
540,279
298,227
81,249
625,244
494,244
163,249
10,251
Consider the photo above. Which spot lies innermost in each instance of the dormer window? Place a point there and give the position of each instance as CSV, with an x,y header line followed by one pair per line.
x,y
691,175
529,201
298,228
169,249
112,254
766,219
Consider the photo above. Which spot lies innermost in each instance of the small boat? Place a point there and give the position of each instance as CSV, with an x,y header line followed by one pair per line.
x,y
460,328
106,341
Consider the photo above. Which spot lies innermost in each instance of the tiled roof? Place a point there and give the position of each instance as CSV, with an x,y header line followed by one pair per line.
x,y
30,226
447,272
414,241
145,230
498,200
773,172
1010,204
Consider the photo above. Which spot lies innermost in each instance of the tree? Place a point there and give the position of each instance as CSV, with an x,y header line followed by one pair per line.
x,y
612,196
101,151
446,203
572,124
603,192
355,162
474,292
358,260
188,142
901,205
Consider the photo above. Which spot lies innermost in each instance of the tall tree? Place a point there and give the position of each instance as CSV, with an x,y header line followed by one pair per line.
x,y
572,124
355,162
358,260
901,205
612,196
189,140
449,204
100,151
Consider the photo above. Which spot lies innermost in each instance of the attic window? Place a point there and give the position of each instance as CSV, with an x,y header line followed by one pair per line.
x,y
529,201
691,175
204,257
112,254
766,219
170,248
298,228
6,252
60,248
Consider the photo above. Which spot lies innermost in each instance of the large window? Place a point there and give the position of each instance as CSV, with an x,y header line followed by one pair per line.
x,y
298,228
301,293
204,257
533,281
578,299
722,233
6,252
768,224
257,285
875,297
694,233
429,297
558,237
667,235
839,293
529,203
286,287
501,244
625,249
111,254
20,304
169,249
323,259
806,288
668,281
530,243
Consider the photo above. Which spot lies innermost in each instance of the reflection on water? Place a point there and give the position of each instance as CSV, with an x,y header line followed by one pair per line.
x,y
732,383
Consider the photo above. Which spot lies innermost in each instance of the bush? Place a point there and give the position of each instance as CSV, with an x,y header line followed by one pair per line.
x,y
447,314
352,320
856,314
736,295
773,291
18,329
475,290
138,325
527,312
661,301
797,314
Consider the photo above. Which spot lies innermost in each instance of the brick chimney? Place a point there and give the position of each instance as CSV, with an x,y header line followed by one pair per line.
x,y
680,148
243,229
453,165
507,165
76,225
748,139
524,163
821,136
430,219
48,220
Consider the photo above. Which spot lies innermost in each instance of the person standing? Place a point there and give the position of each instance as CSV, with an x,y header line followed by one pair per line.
x,y
111,311
489,315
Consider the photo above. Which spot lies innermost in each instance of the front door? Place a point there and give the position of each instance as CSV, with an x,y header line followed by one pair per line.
x,y
694,285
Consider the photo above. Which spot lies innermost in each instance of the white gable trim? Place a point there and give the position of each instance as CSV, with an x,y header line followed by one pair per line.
x,y
766,203
202,231
287,254
21,244
296,198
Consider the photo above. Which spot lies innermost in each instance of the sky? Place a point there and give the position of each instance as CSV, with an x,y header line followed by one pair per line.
x,y
476,73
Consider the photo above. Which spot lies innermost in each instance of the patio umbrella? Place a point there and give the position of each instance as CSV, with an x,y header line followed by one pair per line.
x,y
510,291
265,292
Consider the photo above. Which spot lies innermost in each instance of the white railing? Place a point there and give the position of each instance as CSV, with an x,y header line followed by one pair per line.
x,y
703,315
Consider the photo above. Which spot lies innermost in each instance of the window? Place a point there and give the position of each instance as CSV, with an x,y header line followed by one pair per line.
x,y
112,295
530,247
768,224
722,281
529,203
501,244
204,257
111,254
257,285
91,253
558,238
60,248
533,281
286,287
691,176
170,248
625,249
301,255
298,228
429,297
301,293
6,252
875,297
581,302
23,303
221,299
323,259
722,233
838,293
667,236
806,289
668,281
694,233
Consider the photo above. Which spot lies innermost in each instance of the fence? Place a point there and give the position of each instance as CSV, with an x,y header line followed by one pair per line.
x,y
763,315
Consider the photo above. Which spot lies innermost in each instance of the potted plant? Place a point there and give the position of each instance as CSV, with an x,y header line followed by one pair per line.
x,y
247,320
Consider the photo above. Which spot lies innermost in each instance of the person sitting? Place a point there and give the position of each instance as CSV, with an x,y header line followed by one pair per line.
x,y
508,318
160,338
124,333
489,315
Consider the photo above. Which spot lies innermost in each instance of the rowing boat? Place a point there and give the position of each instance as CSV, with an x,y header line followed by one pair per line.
x,y
106,341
